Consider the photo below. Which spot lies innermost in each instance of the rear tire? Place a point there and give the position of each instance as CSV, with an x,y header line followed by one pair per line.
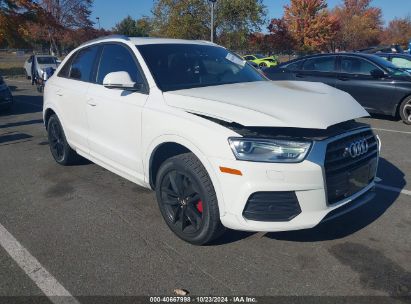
x,y
405,110
62,153
187,200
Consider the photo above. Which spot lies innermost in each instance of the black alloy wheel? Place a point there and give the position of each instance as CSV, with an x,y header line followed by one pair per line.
x,y
183,204
187,199
61,151
405,111
56,140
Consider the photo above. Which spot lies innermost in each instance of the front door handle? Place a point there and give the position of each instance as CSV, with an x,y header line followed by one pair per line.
x,y
91,102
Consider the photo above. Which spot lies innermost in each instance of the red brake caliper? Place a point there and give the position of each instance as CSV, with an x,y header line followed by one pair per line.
x,y
200,206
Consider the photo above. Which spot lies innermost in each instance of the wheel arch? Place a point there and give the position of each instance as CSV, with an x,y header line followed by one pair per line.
x,y
398,105
47,114
168,146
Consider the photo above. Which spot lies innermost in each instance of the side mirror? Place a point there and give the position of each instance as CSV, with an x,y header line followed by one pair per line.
x,y
121,80
377,73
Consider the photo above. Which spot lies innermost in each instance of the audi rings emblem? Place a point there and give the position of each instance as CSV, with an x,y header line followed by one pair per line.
x,y
357,148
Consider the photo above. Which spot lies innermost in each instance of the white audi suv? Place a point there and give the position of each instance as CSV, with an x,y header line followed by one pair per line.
x,y
220,144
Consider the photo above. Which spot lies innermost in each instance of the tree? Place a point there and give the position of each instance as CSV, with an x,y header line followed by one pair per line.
x,y
59,17
280,39
13,17
134,28
360,24
398,31
190,19
187,19
310,24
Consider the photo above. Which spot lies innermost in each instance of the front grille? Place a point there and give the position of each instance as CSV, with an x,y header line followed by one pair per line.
x,y
345,174
278,206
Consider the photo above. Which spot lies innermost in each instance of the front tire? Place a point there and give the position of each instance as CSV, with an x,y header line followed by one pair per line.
x,y
187,199
62,153
405,110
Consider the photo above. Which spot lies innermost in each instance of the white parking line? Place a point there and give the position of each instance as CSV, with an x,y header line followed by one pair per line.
x,y
393,131
394,189
37,273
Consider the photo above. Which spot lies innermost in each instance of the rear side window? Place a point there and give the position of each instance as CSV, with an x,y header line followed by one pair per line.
x,y
116,58
83,63
353,65
320,64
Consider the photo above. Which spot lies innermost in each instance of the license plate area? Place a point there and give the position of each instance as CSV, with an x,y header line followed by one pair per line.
x,y
346,184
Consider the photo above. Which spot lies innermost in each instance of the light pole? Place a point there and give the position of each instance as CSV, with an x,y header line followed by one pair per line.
x,y
212,19
98,21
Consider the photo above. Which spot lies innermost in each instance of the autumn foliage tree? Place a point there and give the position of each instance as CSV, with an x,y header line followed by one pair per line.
x,y
361,24
398,31
62,18
280,39
13,17
310,24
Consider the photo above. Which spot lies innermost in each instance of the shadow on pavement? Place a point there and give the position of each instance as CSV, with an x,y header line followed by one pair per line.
x,y
385,117
21,123
13,137
353,221
24,104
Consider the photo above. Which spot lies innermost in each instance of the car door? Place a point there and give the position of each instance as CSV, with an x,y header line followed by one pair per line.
x,y
71,92
318,69
114,115
374,94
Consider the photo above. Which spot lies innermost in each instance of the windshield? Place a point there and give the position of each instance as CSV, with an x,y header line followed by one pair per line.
x,y
185,66
392,69
46,60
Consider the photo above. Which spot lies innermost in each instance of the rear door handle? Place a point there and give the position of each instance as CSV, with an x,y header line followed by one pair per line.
x,y
91,102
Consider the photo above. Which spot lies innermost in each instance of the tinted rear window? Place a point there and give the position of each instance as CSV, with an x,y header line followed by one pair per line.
x,y
320,64
46,60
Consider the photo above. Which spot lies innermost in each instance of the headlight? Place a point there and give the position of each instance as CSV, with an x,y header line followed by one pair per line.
x,y
269,150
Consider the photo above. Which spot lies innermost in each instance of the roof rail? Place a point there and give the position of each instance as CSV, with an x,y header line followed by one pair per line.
x,y
106,37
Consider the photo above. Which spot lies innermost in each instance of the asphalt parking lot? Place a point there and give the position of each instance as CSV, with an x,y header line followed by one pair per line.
x,y
98,234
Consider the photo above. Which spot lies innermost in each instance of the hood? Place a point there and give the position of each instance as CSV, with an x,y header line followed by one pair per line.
x,y
293,104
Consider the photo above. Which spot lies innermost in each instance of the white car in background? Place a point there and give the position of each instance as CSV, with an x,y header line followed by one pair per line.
x,y
220,144
41,62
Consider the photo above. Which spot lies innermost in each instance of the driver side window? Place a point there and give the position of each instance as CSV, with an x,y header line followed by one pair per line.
x,y
116,58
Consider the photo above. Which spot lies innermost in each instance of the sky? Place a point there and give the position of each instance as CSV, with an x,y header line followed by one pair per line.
x,y
111,12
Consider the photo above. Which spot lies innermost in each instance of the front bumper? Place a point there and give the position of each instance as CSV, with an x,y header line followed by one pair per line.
x,y
305,179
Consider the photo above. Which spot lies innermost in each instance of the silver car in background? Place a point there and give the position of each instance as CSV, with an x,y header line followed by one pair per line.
x,y
41,62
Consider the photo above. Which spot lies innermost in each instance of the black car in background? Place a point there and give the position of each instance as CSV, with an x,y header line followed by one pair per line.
x,y
402,61
378,85
6,99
